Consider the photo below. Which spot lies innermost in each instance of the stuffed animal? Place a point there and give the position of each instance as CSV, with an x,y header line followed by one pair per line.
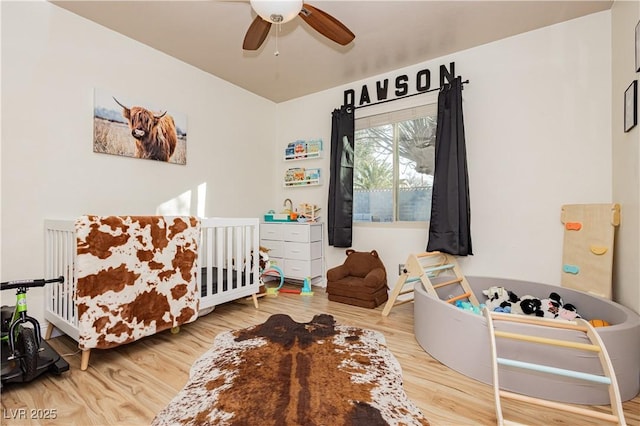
x,y
551,306
528,305
264,258
564,311
499,299
568,312
531,305
263,263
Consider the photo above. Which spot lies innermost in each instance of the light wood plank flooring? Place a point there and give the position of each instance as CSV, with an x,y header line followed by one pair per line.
x,y
130,384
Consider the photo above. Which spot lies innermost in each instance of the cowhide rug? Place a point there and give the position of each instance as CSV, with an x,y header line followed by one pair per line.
x,y
287,373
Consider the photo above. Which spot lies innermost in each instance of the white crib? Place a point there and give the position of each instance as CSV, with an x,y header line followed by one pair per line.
x,y
228,269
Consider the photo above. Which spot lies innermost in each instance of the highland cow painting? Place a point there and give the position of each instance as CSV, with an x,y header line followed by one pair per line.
x,y
125,126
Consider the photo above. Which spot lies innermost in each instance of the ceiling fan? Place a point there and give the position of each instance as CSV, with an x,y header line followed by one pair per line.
x,y
279,12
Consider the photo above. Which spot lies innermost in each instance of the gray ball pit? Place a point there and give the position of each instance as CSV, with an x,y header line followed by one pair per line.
x,y
459,339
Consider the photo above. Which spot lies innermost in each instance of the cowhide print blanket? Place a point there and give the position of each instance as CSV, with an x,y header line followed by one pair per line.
x,y
136,276
288,373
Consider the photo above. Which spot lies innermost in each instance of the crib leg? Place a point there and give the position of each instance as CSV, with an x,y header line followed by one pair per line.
x,y
255,300
49,332
84,363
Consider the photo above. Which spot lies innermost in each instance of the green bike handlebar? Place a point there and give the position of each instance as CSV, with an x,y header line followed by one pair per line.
x,y
8,285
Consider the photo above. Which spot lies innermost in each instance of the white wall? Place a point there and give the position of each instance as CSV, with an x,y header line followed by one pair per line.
x,y
626,157
538,133
51,62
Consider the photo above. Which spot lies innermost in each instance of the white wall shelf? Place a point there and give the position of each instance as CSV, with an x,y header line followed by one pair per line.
x,y
306,156
306,182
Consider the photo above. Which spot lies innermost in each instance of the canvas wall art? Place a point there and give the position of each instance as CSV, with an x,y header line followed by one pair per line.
x,y
130,127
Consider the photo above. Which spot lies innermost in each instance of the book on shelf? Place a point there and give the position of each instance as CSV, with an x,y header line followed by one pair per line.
x,y
312,174
314,147
300,174
295,175
303,149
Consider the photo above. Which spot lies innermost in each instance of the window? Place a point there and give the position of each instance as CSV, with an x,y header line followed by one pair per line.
x,y
394,162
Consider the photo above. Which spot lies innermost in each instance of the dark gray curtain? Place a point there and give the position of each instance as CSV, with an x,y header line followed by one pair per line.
x,y
450,227
340,215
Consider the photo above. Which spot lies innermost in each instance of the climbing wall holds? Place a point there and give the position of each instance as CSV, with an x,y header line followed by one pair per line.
x,y
571,269
573,226
598,250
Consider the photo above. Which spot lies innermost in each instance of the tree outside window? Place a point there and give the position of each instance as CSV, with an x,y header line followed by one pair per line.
x,y
394,163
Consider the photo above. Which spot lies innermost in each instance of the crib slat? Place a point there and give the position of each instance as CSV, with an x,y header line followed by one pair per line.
x,y
64,259
248,255
210,263
229,257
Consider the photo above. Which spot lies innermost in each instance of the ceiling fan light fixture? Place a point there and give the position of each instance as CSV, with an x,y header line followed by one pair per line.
x,y
277,12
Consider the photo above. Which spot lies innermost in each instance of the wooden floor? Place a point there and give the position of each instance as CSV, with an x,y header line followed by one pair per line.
x,y
130,384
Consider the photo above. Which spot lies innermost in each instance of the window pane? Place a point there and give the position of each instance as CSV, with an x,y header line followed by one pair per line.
x,y
373,175
416,152
394,163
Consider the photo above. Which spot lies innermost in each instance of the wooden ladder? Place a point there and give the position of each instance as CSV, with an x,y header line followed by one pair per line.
x,y
424,267
608,378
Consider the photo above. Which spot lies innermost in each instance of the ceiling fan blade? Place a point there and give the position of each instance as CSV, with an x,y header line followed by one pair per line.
x,y
326,25
256,34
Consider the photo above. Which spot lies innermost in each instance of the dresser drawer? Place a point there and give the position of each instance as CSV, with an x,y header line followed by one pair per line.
x,y
302,251
301,269
276,248
270,231
297,233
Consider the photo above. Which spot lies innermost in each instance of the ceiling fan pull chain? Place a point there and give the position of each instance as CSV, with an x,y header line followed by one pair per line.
x,y
278,29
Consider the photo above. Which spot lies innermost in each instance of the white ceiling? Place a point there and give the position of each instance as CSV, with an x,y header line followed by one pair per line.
x,y
208,34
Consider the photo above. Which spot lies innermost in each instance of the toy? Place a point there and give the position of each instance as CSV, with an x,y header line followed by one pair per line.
x,y
306,288
271,271
263,260
25,355
503,300
551,306
596,322
528,305
561,310
568,312
468,306
499,299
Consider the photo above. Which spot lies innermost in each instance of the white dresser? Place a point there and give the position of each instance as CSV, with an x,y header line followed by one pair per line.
x,y
296,248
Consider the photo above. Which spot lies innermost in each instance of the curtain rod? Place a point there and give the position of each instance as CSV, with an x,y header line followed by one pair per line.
x,y
403,97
